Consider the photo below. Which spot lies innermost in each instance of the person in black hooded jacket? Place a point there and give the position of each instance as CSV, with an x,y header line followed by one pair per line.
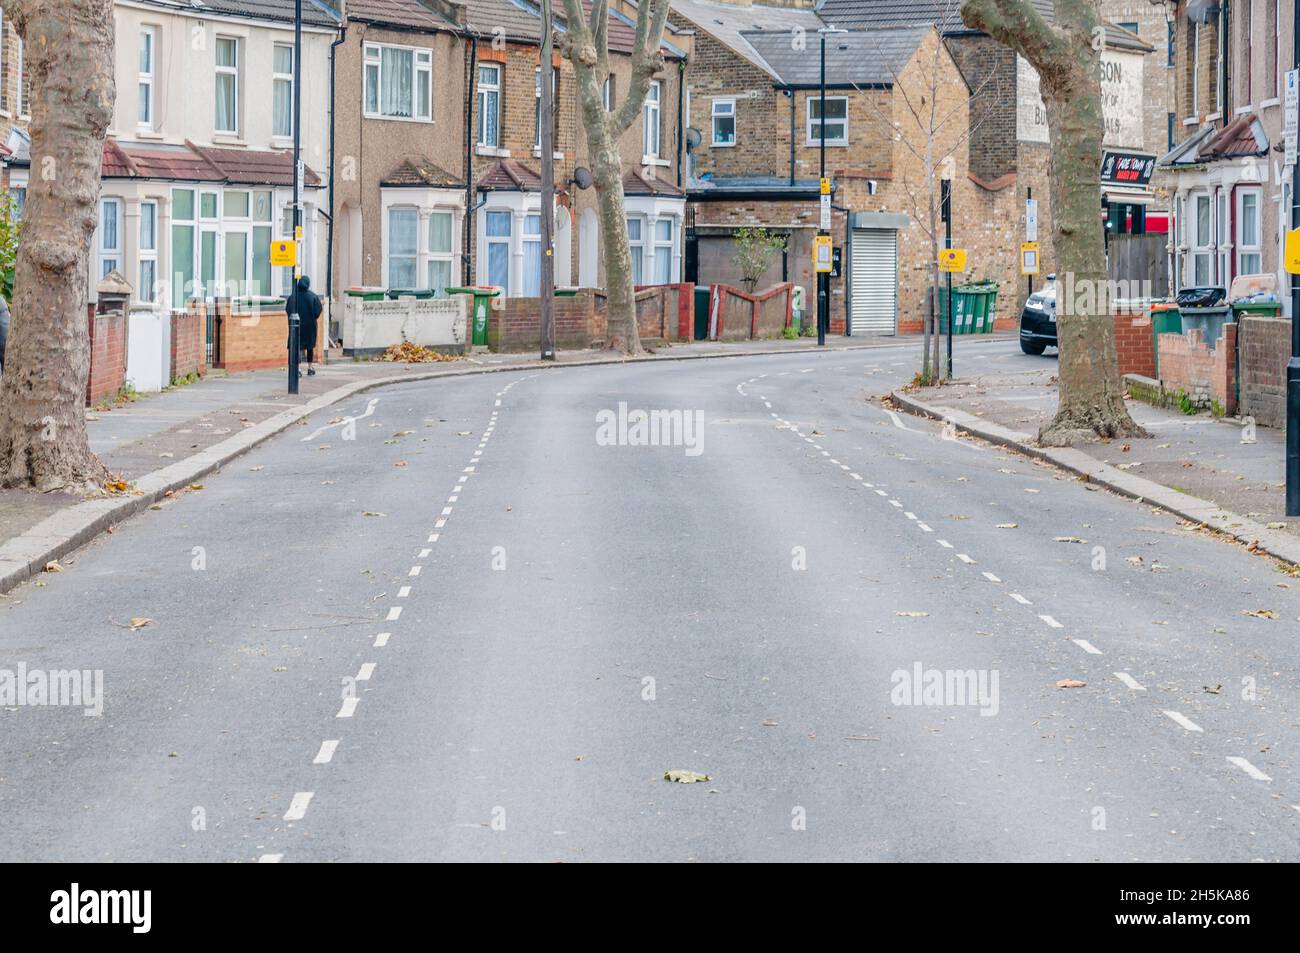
x,y
309,310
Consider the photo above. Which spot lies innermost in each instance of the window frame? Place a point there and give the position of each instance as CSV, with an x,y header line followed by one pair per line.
x,y
809,121
660,246
490,240
232,71
145,79
419,71
714,116
103,252
652,108
278,77
147,254
431,256
482,92
390,255
1202,251
1242,247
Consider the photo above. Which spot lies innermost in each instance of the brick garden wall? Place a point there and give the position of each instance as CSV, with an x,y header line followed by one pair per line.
x,y
1265,348
517,324
107,354
1190,366
187,344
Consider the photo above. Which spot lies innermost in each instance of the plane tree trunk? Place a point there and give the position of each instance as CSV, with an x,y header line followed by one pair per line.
x,y
68,56
1067,56
585,44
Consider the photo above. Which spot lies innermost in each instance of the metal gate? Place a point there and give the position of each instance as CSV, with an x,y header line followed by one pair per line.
x,y
874,280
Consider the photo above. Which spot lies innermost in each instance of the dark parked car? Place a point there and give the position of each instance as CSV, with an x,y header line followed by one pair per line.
x,y
1038,320
4,329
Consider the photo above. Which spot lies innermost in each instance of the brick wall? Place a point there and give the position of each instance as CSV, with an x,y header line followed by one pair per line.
x,y
1265,348
663,311
742,317
107,354
256,340
517,324
187,345
1135,344
1190,366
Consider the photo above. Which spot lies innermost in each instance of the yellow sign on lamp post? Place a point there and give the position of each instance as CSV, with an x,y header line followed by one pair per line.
x,y
1029,258
1292,252
284,254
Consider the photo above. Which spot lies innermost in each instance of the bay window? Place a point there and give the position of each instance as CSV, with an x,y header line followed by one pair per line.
x,y
1202,242
147,285
498,226
109,250
403,247
182,282
635,242
663,239
440,252
1250,259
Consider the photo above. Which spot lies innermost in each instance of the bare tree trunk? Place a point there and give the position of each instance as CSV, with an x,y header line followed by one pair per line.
x,y
1067,57
585,44
68,53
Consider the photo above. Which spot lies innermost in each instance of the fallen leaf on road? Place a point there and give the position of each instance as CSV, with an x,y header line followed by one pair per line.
x,y
1069,539
1125,448
255,469
860,738
1212,691
373,513
685,777
1276,525
1135,560
1259,613
139,622
403,433
769,723
1030,490
912,615
53,566
1071,683
400,463
196,486
955,516
462,433
1008,526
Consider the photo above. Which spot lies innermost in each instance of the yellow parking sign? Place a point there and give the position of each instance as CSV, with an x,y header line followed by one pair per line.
x,y
952,259
284,253
1292,252
823,254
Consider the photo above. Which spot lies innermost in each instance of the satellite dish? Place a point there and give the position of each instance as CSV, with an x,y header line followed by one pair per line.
x,y
693,139
582,177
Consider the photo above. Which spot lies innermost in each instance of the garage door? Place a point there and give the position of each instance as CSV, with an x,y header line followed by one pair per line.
x,y
874,280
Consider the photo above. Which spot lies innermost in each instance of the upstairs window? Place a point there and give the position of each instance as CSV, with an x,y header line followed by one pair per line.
x,y
724,122
834,126
650,115
282,91
145,104
227,116
399,82
489,105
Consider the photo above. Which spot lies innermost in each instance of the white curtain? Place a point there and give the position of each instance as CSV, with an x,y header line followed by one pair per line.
x,y
396,71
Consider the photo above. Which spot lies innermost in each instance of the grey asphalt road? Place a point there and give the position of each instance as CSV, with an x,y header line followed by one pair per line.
x,y
446,622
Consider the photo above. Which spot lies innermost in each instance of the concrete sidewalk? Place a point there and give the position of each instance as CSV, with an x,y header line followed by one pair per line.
x,y
1205,469
162,442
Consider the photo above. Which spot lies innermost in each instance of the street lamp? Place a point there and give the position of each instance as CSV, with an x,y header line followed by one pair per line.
x,y
823,277
295,326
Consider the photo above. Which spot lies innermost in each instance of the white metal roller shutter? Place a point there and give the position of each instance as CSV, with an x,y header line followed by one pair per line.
x,y
875,280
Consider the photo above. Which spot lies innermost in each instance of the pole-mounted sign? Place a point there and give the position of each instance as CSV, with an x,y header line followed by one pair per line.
x,y
823,255
1029,258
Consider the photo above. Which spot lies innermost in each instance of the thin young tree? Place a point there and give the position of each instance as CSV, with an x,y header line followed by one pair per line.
x,y
932,129
586,44
1067,56
68,57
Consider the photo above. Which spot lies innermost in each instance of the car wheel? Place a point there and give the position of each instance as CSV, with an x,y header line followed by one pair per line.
x,y
1032,347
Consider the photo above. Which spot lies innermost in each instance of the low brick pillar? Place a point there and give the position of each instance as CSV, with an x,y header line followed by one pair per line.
x,y
188,340
1265,348
108,332
1135,343
251,339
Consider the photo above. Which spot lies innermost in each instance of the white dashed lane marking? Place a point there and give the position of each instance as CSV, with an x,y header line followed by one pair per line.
x,y
1052,623
348,709
367,669
1249,768
1182,720
298,806
1020,599
382,639
326,753
1130,681
1087,646
991,578
394,614
270,858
